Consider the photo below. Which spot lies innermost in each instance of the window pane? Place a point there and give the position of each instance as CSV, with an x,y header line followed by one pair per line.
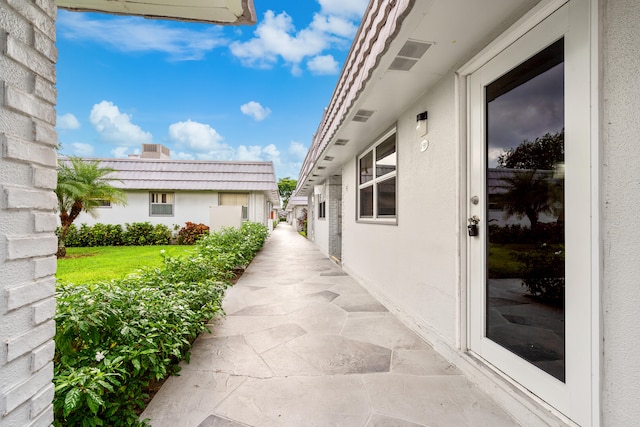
x,y
386,156
366,202
387,197
366,168
161,209
234,199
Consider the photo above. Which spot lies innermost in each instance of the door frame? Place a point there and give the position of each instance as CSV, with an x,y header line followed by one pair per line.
x,y
584,408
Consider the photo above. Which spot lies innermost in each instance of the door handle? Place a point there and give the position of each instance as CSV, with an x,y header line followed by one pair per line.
x,y
472,228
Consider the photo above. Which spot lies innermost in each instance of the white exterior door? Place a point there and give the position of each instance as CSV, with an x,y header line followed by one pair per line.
x,y
529,190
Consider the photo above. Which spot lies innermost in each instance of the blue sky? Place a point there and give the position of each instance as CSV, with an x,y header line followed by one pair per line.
x,y
207,92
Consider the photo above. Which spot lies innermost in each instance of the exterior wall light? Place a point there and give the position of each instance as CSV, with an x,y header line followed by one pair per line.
x,y
421,130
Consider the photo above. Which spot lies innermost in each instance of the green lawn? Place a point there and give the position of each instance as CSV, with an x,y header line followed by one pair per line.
x,y
90,265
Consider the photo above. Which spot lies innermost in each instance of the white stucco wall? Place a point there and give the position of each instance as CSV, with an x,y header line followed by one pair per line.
x,y
190,206
321,228
413,264
620,208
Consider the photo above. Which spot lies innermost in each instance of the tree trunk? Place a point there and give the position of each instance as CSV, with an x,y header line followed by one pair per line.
x,y
66,219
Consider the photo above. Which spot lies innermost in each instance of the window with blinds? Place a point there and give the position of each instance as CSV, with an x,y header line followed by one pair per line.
x,y
236,199
161,204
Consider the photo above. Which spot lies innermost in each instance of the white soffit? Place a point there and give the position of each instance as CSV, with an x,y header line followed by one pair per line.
x,y
224,12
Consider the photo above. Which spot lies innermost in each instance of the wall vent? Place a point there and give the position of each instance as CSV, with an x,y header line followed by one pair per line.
x,y
328,158
409,55
342,142
362,115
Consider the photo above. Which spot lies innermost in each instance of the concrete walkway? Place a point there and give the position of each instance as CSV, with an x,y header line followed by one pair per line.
x,y
304,345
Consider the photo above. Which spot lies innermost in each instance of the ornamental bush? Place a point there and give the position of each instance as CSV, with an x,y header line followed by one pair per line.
x,y
191,233
134,234
113,338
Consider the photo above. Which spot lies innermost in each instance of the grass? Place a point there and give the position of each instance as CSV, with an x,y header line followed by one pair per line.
x,y
96,264
502,262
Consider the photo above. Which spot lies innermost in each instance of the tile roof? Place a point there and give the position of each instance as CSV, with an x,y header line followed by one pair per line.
x,y
167,174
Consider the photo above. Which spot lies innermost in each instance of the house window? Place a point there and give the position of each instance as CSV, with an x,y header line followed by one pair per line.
x,y
103,203
161,204
377,181
322,204
236,199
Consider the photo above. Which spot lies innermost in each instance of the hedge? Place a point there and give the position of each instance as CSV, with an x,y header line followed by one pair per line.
x,y
113,338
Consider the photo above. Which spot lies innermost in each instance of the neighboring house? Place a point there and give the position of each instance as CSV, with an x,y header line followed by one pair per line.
x,y
431,93
171,192
296,211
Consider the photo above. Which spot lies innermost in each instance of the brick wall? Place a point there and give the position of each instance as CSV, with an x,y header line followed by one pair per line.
x,y
27,218
334,213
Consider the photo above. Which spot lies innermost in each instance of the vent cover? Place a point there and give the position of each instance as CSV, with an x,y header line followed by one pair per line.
x,y
362,115
342,142
328,158
409,55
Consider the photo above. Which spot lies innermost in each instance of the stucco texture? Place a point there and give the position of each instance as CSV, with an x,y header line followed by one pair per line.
x,y
621,205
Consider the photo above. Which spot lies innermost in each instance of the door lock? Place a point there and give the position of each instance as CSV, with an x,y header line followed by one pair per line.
x,y
472,228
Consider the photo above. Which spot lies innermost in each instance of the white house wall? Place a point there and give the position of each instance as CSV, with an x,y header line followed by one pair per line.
x,y
192,206
321,229
413,264
620,291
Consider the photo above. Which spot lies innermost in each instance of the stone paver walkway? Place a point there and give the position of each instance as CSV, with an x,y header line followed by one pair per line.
x,y
304,345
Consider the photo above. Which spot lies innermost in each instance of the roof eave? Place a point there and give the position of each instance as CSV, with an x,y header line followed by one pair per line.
x,y
231,12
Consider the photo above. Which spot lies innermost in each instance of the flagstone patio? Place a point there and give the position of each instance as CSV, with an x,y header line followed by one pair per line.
x,y
303,344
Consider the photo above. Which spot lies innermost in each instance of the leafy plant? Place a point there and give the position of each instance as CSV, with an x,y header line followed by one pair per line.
x,y
113,337
82,187
543,273
191,233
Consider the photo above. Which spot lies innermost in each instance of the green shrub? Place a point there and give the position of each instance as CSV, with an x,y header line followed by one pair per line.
x,y
543,273
135,234
191,233
235,247
145,233
112,338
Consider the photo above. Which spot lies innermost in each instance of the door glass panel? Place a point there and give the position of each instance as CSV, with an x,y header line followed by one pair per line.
x,y
525,211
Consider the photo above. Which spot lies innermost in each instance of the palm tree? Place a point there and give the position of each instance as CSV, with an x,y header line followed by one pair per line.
x,y
82,187
529,193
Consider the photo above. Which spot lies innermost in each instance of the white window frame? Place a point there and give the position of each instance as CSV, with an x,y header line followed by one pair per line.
x,y
376,180
157,195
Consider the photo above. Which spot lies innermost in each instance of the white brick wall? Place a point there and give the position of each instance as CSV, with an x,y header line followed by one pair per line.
x,y
27,219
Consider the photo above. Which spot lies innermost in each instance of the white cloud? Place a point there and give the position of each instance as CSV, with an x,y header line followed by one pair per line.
x,y
255,110
67,122
82,149
123,152
135,34
334,25
258,153
181,155
347,8
201,138
116,127
323,64
297,151
276,38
